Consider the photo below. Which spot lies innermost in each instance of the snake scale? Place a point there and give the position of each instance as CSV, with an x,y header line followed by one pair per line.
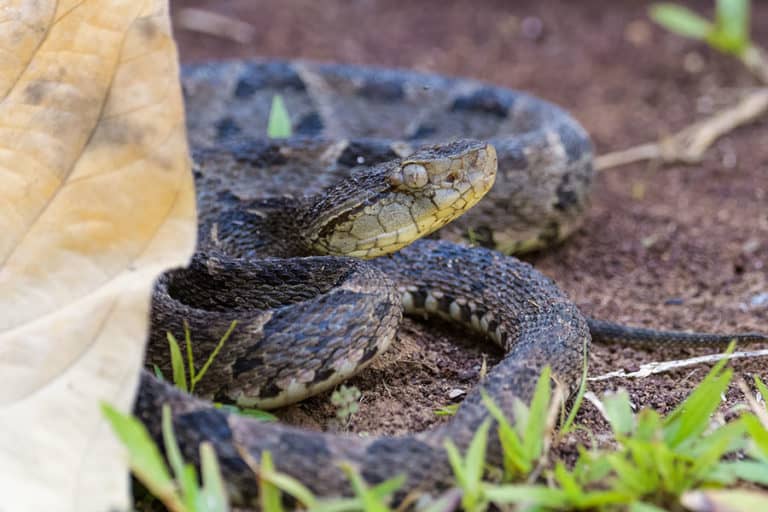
x,y
374,164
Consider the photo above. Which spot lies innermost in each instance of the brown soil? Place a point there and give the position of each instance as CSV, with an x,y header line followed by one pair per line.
x,y
668,247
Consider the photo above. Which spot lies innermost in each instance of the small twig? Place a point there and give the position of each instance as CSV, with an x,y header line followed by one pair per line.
x,y
689,145
664,366
755,60
592,398
211,23
759,410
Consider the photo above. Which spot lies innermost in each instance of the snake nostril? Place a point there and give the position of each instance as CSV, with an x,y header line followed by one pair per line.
x,y
451,177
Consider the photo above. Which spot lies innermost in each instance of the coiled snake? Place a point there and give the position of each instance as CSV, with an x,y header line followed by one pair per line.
x,y
279,220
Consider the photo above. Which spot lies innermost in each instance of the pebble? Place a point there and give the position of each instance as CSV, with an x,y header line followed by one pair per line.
x,y
694,63
750,246
532,28
456,393
759,300
638,33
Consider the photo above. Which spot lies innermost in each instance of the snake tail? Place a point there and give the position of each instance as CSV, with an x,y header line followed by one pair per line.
x,y
609,332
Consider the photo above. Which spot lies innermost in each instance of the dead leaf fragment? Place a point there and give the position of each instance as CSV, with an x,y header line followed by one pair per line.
x,y
96,199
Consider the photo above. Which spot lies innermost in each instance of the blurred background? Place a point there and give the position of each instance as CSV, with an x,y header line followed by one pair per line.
x,y
601,59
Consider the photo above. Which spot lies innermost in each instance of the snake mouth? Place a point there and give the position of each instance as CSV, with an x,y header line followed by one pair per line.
x,y
413,198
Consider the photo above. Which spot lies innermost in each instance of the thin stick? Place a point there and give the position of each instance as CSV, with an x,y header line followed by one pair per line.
x,y
664,366
760,411
215,24
756,62
690,144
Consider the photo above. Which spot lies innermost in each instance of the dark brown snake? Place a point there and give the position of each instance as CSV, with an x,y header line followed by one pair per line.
x,y
278,216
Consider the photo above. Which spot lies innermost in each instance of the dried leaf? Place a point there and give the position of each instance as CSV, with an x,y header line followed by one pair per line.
x,y
96,199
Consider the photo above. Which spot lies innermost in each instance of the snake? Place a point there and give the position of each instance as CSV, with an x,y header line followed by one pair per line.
x,y
399,192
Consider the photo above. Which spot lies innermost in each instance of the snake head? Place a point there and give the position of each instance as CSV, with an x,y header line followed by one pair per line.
x,y
384,208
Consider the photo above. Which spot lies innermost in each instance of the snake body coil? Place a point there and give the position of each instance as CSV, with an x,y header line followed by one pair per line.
x,y
279,218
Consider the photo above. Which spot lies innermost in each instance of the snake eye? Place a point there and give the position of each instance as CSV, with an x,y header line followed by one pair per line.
x,y
415,175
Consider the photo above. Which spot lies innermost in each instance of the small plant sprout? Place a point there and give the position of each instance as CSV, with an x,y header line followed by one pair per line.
x,y
181,370
523,442
727,33
279,124
177,361
346,400
447,410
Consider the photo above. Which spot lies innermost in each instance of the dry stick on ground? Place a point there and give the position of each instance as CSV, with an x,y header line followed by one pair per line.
x,y
215,24
665,366
758,409
756,62
689,145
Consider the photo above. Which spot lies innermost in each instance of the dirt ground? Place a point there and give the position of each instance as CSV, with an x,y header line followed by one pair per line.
x,y
681,247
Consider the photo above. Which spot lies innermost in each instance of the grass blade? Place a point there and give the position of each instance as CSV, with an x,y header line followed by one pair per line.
x,y
732,19
447,410
144,457
177,363
618,412
527,494
257,414
456,462
681,20
475,457
190,357
269,494
515,461
567,482
747,470
279,124
290,485
691,418
534,429
172,450
370,500
758,435
388,487
213,355
713,447
641,506
186,476
213,497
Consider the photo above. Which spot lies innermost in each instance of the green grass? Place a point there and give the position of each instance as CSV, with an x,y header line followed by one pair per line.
x,y
447,410
653,463
186,376
180,369
182,492
657,460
